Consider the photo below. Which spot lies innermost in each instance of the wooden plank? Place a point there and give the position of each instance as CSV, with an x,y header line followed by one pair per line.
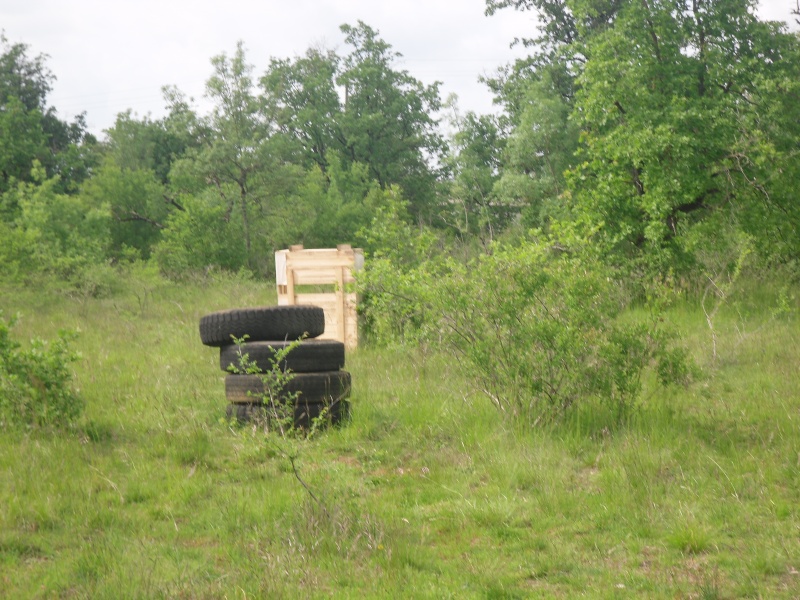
x,y
283,295
341,316
290,287
336,260
351,322
323,300
319,276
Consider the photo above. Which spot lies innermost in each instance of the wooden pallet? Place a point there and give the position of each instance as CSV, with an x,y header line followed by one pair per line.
x,y
322,277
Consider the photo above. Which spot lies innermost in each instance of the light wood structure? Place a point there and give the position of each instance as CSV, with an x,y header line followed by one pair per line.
x,y
332,268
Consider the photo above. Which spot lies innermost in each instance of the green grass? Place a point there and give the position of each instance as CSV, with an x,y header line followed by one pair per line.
x,y
428,492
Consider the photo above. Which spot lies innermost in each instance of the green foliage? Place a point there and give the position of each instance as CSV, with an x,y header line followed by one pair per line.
x,y
150,145
136,203
200,237
21,142
539,333
535,329
393,236
13,253
648,172
235,159
35,383
398,257
340,201
388,120
696,494
472,208
52,233
302,95
277,402
31,131
538,153
662,116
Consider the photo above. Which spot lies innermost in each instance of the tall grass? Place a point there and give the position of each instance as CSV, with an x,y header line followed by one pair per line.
x,y
427,492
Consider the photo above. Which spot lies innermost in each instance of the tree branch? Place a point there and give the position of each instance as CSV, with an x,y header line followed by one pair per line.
x,y
653,35
173,202
134,216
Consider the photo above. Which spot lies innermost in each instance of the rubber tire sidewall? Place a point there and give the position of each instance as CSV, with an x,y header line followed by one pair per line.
x,y
304,413
306,357
312,387
267,323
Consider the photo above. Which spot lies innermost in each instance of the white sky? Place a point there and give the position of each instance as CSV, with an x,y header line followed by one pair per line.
x,y
113,55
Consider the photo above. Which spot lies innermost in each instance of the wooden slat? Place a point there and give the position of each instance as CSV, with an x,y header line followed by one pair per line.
x,y
294,259
319,276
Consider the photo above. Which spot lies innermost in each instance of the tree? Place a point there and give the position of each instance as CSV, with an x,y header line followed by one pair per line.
x,y
345,203
363,110
136,203
675,130
154,145
304,160
686,112
476,163
388,120
538,93
302,95
53,232
22,141
236,156
31,131
538,153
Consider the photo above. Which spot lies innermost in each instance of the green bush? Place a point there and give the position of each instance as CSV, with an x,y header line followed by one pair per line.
x,y
538,331
35,383
401,259
198,238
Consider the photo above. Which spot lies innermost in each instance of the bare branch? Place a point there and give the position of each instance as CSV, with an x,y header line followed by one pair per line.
x,y
135,216
173,202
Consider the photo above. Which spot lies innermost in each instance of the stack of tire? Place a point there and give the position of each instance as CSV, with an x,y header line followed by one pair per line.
x,y
317,384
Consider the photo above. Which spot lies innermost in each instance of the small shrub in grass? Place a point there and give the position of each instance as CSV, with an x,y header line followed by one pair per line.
x,y
279,413
278,404
539,333
35,384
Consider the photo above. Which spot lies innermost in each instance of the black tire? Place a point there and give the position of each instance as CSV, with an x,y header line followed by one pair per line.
x,y
263,323
307,357
304,413
312,387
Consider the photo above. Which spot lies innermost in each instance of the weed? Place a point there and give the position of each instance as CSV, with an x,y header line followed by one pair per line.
x,y
35,383
278,408
690,538
536,332
276,403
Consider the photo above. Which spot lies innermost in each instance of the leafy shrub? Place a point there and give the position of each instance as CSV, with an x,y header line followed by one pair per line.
x,y
57,234
35,383
537,331
401,260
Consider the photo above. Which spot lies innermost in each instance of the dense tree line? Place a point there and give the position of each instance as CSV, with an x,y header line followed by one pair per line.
x,y
305,153
665,132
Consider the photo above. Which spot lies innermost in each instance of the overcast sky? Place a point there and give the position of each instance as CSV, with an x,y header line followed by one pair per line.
x,y
112,55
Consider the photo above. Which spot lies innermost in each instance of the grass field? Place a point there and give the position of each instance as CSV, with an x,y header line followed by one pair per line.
x,y
427,492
